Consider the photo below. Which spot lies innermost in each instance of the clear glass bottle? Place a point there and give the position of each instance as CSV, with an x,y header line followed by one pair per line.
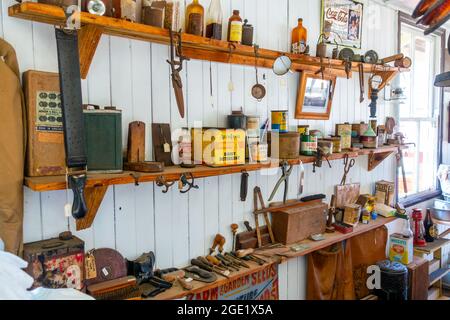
x,y
299,38
214,20
195,15
235,27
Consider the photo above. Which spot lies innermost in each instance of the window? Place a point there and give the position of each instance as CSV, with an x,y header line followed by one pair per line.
x,y
418,114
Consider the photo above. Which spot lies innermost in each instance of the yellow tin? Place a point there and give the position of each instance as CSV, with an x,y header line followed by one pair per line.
x,y
218,147
280,121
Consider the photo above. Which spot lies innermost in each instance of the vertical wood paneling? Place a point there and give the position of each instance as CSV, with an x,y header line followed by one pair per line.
x,y
135,77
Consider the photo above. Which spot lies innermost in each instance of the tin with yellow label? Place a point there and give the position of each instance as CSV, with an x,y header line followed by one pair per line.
x,y
218,147
280,121
303,129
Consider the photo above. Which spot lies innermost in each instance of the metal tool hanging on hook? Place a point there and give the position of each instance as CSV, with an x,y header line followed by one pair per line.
x,y
286,170
348,164
184,181
177,66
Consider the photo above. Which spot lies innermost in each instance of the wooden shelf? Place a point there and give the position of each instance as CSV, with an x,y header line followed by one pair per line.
x,y
52,183
433,246
176,292
92,27
438,275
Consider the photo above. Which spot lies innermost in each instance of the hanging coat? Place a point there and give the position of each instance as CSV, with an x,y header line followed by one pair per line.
x,y
12,150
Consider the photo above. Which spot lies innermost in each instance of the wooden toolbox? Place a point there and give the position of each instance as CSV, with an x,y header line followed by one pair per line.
x,y
298,223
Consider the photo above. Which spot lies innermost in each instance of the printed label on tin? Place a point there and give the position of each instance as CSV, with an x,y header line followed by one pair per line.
x,y
48,111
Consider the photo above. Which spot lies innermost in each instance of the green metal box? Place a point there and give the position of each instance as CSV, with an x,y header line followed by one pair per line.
x,y
103,129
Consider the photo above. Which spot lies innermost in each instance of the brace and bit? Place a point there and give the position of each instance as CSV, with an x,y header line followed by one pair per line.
x,y
286,170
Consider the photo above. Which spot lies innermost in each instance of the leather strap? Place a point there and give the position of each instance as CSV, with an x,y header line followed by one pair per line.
x,y
72,112
71,98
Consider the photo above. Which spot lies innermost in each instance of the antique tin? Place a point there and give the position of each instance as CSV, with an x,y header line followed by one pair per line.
x,y
352,214
308,145
259,152
56,263
298,223
373,124
218,147
326,145
344,131
280,121
369,139
336,141
247,34
381,135
237,120
384,192
358,130
285,145
153,16
253,123
103,133
303,129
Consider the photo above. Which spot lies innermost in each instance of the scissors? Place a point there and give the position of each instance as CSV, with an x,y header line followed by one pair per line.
x,y
347,166
284,178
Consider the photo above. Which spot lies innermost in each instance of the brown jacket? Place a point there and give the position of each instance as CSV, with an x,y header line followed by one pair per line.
x,y
12,146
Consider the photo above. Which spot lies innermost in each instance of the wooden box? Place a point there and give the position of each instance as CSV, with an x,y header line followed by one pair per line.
x,y
296,224
56,263
418,279
45,140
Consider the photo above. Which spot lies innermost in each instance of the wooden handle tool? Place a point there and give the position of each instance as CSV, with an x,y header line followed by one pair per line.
x,y
234,229
244,253
392,58
219,241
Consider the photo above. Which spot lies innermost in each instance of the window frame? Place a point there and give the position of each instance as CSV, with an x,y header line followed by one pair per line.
x,y
412,200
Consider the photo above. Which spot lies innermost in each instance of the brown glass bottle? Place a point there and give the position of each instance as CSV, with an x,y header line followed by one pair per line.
x,y
430,228
235,27
299,38
195,15
214,21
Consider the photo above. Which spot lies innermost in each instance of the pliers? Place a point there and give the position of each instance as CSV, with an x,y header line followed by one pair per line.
x,y
284,178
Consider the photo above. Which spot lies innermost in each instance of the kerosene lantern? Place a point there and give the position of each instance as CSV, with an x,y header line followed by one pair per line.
x,y
419,229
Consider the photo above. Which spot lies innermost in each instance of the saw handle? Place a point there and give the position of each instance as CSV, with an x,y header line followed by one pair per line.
x,y
77,184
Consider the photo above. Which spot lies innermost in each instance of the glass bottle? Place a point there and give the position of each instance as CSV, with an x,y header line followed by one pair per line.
x,y
406,229
214,20
299,38
235,27
195,18
430,228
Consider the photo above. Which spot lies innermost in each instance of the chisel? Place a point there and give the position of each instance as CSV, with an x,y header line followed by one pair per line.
x,y
210,264
226,263
237,260
200,264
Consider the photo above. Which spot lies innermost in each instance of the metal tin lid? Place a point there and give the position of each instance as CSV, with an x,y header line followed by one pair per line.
x,y
392,267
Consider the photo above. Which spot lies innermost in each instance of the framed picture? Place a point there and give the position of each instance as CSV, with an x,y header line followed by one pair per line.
x,y
342,22
315,96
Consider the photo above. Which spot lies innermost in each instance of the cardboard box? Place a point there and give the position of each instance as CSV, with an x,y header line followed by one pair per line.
x,y
401,248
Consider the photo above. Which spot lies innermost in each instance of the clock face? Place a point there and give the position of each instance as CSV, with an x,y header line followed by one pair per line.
x,y
258,91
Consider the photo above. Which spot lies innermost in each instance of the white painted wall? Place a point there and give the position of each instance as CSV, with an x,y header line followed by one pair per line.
x,y
134,76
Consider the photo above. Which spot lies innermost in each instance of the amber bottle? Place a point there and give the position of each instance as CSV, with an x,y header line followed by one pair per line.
x,y
235,27
195,15
299,38
214,21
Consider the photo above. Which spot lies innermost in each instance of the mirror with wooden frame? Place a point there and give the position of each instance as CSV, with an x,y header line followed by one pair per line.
x,y
315,96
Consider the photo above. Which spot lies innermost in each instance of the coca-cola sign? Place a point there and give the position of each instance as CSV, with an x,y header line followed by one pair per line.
x,y
342,22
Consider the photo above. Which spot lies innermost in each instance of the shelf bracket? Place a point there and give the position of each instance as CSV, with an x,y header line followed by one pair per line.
x,y
386,77
88,38
375,159
94,197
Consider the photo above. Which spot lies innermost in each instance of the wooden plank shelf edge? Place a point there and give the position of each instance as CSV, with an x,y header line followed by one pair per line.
x,y
193,46
51,183
177,293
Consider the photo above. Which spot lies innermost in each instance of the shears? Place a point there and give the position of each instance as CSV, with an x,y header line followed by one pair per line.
x,y
286,170
348,164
